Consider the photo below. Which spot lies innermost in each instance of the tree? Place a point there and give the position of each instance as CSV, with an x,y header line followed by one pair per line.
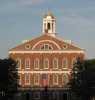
x,y
90,76
83,79
8,77
75,81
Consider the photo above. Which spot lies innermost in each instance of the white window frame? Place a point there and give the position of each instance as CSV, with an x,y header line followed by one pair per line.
x,y
36,61
55,59
27,62
65,59
66,77
46,59
18,60
48,77
36,77
57,78
44,47
27,77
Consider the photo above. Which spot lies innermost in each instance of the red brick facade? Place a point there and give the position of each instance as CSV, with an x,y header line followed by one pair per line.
x,y
45,60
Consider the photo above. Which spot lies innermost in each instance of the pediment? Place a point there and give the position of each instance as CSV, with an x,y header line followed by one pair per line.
x,y
45,41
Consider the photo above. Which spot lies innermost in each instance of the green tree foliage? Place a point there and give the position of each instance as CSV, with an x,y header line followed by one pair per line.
x,y
83,79
8,77
89,75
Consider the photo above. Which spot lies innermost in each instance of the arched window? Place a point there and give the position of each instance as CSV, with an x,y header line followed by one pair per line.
x,y
18,66
55,63
64,62
55,79
48,26
27,79
36,63
46,47
36,79
27,63
65,79
45,80
46,63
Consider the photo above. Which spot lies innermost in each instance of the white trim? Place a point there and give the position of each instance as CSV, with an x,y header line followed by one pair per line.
x,y
44,63
66,60
48,77
65,79
46,41
73,61
70,43
36,61
44,72
57,78
44,45
56,61
27,62
36,77
27,83
27,46
67,51
18,60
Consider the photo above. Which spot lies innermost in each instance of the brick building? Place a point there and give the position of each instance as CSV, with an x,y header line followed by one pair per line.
x,y
46,60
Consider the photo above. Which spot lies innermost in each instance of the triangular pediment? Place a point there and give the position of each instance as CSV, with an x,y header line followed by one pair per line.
x,y
55,43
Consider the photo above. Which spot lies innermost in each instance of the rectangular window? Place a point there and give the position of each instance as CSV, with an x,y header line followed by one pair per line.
x,y
36,63
65,79
48,26
36,79
55,63
27,79
46,63
18,61
27,63
65,63
55,79
45,80
46,47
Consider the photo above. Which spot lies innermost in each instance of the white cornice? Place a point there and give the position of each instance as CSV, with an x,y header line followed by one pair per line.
x,y
58,51
44,72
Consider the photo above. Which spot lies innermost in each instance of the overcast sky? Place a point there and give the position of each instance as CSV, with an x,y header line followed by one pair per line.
x,y
22,19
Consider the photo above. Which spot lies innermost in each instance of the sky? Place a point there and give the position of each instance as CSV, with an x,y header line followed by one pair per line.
x,y
22,19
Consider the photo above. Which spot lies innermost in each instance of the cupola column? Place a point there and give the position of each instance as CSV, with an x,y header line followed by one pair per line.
x,y
49,22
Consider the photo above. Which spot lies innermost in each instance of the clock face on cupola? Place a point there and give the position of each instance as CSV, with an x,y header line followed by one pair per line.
x,y
49,24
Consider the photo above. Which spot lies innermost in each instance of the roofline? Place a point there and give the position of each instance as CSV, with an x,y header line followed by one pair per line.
x,y
62,40
57,51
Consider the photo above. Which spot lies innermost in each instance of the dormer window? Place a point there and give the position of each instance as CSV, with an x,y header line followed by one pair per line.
x,y
46,47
